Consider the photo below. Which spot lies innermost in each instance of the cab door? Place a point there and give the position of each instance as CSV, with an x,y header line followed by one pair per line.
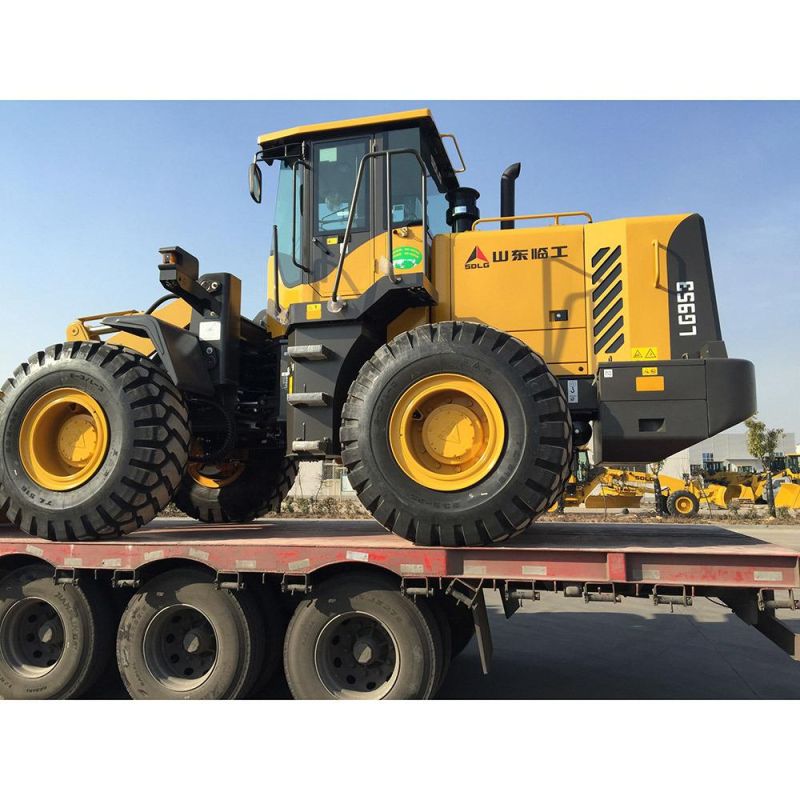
x,y
334,171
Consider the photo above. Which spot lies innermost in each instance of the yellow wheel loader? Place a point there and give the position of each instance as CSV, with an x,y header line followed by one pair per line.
x,y
787,484
585,478
624,488
449,360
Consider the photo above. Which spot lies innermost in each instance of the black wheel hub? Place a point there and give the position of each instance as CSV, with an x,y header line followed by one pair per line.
x,y
356,657
32,637
180,647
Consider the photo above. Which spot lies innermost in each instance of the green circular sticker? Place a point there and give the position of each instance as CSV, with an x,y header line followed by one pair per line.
x,y
406,257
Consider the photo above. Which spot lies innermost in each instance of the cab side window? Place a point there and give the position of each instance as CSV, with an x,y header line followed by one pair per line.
x,y
335,171
406,178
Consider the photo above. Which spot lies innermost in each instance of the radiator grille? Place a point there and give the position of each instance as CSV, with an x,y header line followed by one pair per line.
x,y
607,317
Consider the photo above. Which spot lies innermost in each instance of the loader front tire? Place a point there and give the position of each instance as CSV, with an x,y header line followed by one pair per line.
x,y
456,434
93,442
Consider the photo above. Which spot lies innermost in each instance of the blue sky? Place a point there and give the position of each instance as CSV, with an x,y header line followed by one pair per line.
x,y
90,191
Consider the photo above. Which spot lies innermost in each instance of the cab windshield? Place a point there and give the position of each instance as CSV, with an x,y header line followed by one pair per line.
x,y
793,463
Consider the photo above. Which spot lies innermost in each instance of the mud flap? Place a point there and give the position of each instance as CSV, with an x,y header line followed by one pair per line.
x,y
473,597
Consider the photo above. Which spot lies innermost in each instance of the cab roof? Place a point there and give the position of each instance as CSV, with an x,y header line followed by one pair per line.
x,y
398,119
377,121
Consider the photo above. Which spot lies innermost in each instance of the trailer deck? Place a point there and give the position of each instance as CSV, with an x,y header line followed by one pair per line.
x,y
622,553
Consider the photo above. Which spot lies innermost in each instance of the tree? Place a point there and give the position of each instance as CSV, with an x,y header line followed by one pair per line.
x,y
661,501
762,443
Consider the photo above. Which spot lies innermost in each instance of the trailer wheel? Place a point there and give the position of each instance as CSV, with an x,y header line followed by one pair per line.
x,y
683,504
93,442
55,639
237,491
183,638
359,638
456,434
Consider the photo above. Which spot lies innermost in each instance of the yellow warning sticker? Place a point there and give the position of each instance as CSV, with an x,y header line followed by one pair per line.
x,y
649,370
650,384
644,354
332,240
314,311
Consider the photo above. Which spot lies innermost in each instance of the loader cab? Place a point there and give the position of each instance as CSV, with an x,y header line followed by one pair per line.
x,y
355,201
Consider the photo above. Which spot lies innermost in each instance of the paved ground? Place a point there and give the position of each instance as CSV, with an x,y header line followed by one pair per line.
x,y
560,648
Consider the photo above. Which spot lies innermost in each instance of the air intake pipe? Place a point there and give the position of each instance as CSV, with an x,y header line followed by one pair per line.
x,y
463,208
507,200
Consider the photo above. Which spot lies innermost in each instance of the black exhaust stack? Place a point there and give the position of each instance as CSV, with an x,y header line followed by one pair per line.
x,y
507,200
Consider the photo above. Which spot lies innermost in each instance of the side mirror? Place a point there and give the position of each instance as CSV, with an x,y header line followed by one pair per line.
x,y
255,182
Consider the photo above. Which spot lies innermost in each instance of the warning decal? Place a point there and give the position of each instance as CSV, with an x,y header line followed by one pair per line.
x,y
644,354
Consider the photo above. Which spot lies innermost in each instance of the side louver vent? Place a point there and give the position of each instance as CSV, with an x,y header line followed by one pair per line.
x,y
607,300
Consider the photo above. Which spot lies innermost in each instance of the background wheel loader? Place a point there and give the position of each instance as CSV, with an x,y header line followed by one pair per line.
x,y
450,364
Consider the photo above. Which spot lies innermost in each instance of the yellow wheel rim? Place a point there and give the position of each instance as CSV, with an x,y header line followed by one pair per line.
x,y
684,505
213,476
447,432
64,439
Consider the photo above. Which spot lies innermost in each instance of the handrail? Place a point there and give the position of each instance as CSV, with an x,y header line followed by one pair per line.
x,y
458,150
556,216
294,215
334,304
656,254
275,267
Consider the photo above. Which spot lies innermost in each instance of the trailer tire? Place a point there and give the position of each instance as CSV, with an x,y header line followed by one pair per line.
x,y
42,621
683,504
389,633
138,437
260,487
438,617
491,481
183,638
272,623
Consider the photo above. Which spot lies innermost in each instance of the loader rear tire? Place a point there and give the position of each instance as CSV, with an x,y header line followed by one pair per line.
x,y
93,442
683,504
255,487
479,438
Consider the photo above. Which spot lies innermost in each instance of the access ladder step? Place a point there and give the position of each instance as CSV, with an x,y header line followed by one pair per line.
x,y
309,352
309,399
314,447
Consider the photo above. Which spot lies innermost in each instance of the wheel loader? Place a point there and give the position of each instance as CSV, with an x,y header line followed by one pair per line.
x,y
450,361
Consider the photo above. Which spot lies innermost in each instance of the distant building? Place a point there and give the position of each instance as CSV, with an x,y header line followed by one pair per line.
x,y
321,479
730,448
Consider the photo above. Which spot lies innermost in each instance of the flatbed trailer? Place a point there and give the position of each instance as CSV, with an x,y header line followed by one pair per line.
x,y
210,611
